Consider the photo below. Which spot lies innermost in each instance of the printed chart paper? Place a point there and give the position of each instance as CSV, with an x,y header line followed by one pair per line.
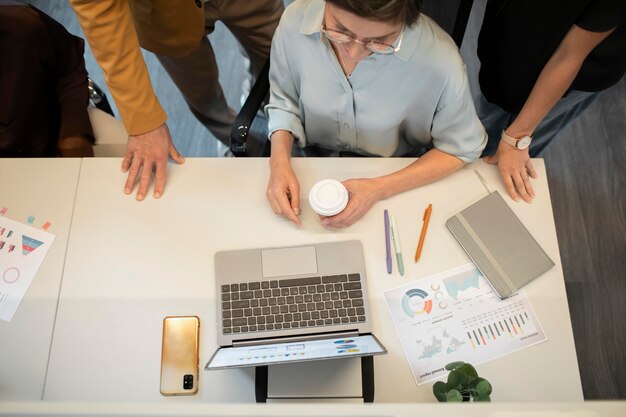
x,y
22,250
456,316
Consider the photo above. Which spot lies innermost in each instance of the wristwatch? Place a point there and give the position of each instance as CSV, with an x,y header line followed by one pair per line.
x,y
519,143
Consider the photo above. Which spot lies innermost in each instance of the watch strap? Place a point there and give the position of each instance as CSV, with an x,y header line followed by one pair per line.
x,y
513,141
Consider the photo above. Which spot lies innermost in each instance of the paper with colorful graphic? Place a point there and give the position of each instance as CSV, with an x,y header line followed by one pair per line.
x,y
22,250
456,316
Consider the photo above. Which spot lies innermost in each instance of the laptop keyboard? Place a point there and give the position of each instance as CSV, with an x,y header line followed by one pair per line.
x,y
260,306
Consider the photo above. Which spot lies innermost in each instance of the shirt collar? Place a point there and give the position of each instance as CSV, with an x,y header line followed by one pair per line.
x,y
314,17
409,41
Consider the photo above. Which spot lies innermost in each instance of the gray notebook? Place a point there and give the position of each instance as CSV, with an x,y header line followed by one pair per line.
x,y
499,244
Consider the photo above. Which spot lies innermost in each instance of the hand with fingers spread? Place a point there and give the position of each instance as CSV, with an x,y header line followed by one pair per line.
x,y
364,193
145,153
515,169
283,189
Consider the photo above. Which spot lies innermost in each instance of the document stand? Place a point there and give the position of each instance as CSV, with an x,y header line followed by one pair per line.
x,y
367,381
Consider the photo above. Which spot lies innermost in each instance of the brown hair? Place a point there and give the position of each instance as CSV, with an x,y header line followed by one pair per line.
x,y
382,10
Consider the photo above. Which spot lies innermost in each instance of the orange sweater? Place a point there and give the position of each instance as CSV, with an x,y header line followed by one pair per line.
x,y
112,27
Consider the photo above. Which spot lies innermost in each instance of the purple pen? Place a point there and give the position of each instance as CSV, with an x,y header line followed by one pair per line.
x,y
387,243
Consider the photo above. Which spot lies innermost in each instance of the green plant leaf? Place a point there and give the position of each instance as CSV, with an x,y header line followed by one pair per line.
x,y
454,365
468,370
454,396
483,388
440,391
475,382
482,399
457,380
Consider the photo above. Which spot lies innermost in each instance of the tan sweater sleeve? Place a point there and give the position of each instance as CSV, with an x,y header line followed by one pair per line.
x,y
109,28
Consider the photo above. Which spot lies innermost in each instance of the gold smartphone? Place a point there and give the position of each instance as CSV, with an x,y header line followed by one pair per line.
x,y
179,355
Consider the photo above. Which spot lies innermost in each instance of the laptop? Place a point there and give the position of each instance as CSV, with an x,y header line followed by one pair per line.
x,y
292,304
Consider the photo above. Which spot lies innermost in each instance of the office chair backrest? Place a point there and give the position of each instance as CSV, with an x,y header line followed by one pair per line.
x,y
109,132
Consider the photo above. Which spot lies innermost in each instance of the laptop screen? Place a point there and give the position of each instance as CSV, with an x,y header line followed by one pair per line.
x,y
276,353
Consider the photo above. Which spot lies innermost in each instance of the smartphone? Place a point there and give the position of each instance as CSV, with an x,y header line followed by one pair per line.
x,y
179,355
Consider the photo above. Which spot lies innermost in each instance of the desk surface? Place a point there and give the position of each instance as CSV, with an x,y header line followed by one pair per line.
x,y
44,188
129,264
494,409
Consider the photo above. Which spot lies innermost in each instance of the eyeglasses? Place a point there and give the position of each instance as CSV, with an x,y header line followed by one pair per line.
x,y
372,46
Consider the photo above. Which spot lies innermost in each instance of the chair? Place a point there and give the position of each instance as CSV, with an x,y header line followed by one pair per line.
x,y
109,132
98,98
455,25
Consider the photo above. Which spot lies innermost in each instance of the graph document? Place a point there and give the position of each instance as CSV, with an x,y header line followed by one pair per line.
x,y
22,250
456,316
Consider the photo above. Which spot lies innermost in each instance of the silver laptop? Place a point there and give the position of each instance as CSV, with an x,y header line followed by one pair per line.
x,y
292,304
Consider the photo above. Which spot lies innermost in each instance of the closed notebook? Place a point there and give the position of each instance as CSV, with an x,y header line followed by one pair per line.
x,y
499,244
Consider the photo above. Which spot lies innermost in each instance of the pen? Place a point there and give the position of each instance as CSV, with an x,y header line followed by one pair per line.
x,y
387,245
485,183
426,219
395,236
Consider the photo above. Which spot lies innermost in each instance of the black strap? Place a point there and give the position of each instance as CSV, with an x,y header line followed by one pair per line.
x,y
460,23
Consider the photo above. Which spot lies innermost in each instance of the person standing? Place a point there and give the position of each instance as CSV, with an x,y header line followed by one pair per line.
x,y
543,62
176,31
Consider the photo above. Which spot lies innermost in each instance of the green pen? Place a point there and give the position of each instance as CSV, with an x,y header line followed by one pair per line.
x,y
395,237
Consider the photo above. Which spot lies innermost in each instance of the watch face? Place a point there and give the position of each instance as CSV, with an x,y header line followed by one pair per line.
x,y
524,142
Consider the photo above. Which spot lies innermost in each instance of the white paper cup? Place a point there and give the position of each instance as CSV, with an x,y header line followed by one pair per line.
x,y
328,197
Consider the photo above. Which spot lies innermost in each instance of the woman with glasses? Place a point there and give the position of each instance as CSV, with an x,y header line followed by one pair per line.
x,y
368,78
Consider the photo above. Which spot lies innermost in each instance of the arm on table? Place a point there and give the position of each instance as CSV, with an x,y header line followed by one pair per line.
x,y
285,125
111,34
78,146
555,79
283,189
365,192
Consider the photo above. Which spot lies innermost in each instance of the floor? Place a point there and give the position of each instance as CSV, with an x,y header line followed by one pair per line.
x,y
587,185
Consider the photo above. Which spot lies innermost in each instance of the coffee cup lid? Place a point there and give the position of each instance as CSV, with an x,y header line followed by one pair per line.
x,y
328,197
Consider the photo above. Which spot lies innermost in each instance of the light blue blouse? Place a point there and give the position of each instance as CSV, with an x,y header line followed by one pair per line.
x,y
391,105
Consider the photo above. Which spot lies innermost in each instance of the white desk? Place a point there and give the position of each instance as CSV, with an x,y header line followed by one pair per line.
x,y
174,409
44,188
130,264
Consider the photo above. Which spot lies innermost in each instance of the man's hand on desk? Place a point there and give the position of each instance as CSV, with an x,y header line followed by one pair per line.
x,y
145,153
515,169
283,189
364,193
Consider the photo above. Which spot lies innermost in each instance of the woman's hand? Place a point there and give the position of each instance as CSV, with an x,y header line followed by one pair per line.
x,y
515,169
364,193
283,189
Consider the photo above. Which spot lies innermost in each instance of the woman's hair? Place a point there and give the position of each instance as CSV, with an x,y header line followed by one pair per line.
x,y
383,10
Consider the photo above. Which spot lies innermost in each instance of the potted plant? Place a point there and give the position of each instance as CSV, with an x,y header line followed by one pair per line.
x,y
463,384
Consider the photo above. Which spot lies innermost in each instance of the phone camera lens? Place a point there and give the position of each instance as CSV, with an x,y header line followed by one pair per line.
x,y
188,381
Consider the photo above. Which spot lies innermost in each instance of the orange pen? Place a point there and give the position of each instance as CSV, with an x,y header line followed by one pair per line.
x,y
426,219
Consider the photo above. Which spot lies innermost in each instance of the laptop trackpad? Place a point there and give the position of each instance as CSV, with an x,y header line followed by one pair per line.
x,y
289,261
